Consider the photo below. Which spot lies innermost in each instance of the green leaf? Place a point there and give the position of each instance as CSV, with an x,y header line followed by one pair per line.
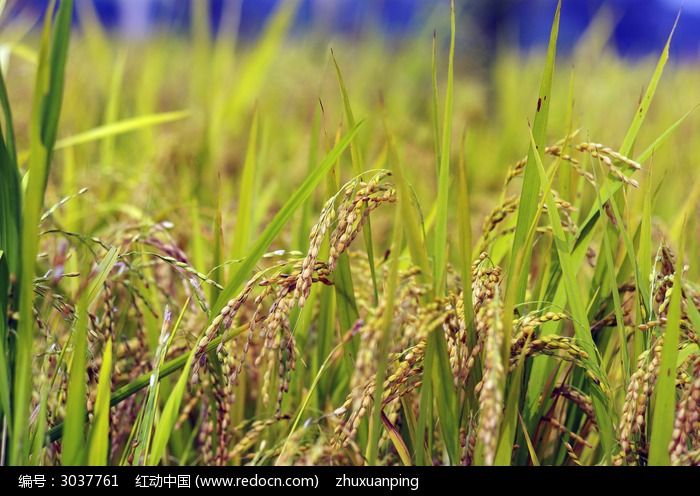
x,y
101,273
171,410
252,73
531,181
73,449
142,381
387,329
523,240
651,149
664,399
310,392
120,127
513,386
582,330
465,239
145,429
610,188
98,440
4,362
397,441
10,193
172,407
436,351
357,169
48,95
296,200
246,194
410,209
445,395
443,205
641,113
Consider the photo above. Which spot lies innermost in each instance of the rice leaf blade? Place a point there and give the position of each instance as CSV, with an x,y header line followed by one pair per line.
x,y
664,399
609,189
120,127
295,201
531,181
98,440
357,169
582,331
74,430
45,112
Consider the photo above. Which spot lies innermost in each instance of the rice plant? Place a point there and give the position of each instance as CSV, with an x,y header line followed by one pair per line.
x,y
271,252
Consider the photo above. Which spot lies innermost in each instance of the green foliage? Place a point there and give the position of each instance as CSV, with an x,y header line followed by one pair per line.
x,y
46,107
353,284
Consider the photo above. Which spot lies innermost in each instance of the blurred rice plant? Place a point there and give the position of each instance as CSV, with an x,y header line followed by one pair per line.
x,y
189,273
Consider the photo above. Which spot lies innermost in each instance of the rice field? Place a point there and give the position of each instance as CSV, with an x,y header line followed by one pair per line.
x,y
310,251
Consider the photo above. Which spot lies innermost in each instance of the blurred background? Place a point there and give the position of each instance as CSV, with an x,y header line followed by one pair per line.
x,y
224,61
639,27
231,67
